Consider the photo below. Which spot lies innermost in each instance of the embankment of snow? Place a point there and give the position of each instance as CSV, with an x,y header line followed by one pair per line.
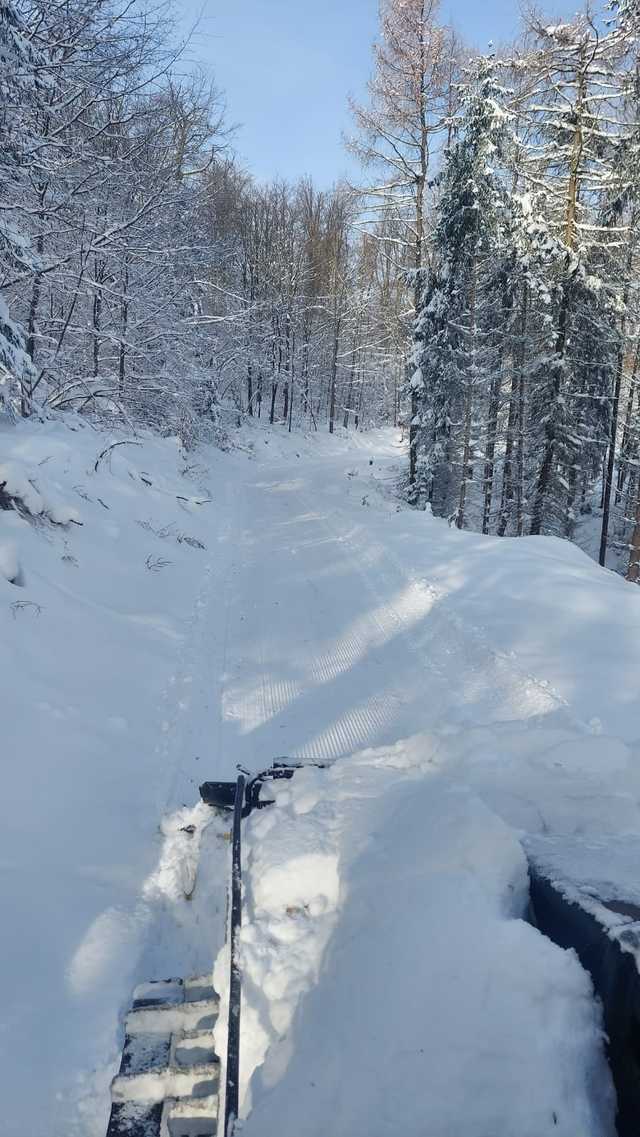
x,y
105,576
391,984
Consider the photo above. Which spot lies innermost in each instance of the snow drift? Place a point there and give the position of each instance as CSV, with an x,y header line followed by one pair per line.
x,y
391,983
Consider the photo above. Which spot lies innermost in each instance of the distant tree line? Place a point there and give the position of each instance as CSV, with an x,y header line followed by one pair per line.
x,y
144,276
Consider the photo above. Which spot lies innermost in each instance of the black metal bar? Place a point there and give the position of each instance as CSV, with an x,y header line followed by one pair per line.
x,y
222,795
611,959
231,1096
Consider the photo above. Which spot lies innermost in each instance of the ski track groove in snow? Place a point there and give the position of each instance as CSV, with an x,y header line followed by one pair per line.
x,y
405,608
420,599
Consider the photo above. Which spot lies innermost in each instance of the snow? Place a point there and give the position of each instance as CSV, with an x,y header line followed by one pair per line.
x,y
600,874
9,563
18,482
105,731
15,481
434,1008
472,694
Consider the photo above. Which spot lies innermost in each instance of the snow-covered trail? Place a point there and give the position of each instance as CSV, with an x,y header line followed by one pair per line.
x,y
308,642
355,624
331,642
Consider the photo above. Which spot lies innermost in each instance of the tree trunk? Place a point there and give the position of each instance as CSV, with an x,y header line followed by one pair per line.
x,y
250,388
468,399
490,451
334,375
615,409
511,471
633,571
306,333
420,184
274,392
627,427
520,486
549,457
124,323
611,458
352,371
36,289
293,375
97,320
570,520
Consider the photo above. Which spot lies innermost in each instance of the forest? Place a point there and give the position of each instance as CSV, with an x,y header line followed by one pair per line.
x,y
477,287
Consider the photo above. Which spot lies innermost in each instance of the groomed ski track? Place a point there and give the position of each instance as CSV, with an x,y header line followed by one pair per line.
x,y
331,643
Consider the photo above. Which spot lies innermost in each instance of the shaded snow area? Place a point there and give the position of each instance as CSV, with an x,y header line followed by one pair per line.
x,y
167,616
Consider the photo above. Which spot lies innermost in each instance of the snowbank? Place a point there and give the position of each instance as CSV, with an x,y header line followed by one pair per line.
x,y
102,704
391,983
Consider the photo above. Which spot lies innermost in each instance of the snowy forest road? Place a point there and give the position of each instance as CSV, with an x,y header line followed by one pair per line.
x,y
334,640
466,667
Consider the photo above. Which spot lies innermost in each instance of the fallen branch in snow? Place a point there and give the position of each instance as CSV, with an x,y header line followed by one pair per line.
x,y
108,450
154,564
172,532
194,500
20,605
193,542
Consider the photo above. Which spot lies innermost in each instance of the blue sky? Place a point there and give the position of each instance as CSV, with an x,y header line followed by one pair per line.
x,y
287,67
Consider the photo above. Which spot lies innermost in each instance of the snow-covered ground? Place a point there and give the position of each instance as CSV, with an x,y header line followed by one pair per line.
x,y
476,693
390,976
108,710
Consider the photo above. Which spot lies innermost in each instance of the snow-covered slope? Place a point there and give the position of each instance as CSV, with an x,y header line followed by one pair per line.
x,y
494,680
101,681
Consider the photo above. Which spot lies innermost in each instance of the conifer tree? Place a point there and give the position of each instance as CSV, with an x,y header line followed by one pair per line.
x,y
457,344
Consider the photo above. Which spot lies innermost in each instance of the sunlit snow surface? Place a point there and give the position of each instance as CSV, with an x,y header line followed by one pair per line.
x,y
391,983
321,619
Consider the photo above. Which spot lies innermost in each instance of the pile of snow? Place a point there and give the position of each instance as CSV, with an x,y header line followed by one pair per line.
x,y
20,493
21,483
391,983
